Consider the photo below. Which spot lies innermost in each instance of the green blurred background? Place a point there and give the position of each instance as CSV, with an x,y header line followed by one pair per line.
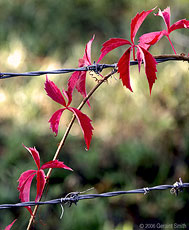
x,y
139,140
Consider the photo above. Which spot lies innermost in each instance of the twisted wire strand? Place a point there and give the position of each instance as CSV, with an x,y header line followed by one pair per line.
x,y
74,197
95,67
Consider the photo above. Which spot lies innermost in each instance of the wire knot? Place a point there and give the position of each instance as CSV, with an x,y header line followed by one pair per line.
x,y
72,198
97,68
146,190
177,187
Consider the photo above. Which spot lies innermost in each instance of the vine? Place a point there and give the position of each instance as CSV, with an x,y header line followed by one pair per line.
x,y
78,81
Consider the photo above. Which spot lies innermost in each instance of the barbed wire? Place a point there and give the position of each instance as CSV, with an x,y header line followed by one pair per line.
x,y
74,197
95,67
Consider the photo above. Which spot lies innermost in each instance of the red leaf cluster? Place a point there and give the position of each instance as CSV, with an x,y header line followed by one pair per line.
x,y
84,121
26,177
142,54
148,39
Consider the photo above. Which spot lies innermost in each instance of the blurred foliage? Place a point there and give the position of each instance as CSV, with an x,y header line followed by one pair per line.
x,y
139,140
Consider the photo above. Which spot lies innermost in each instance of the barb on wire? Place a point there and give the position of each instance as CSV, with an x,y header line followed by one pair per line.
x,y
74,197
97,68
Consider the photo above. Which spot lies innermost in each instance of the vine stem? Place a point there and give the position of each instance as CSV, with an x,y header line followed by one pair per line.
x,y
172,45
61,144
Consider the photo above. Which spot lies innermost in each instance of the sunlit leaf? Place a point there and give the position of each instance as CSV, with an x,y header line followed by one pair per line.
x,y
54,92
55,164
123,68
55,120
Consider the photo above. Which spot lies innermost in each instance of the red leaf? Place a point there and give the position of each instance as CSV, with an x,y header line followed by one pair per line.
x,y
40,184
54,92
73,80
165,14
78,78
150,66
111,44
24,186
87,55
10,225
24,176
148,39
68,96
137,21
81,85
55,164
55,119
181,24
35,155
25,189
123,68
85,123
